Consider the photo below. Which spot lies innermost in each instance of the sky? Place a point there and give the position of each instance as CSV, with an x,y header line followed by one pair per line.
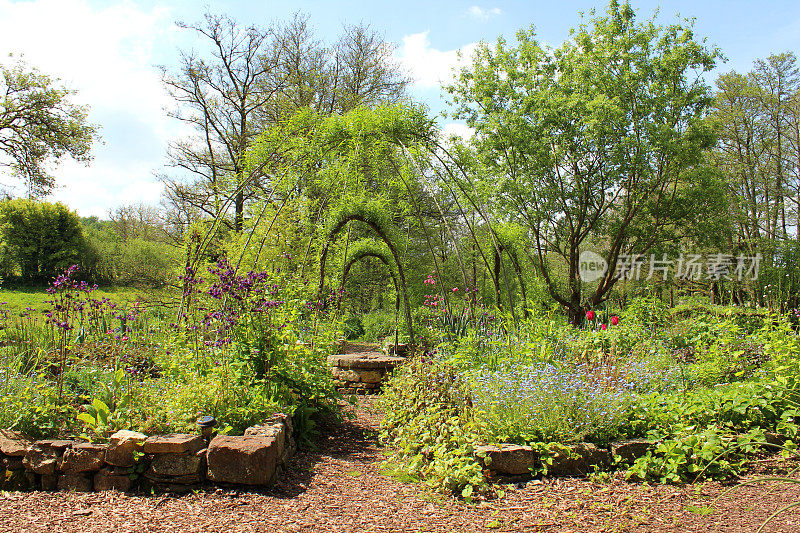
x,y
110,51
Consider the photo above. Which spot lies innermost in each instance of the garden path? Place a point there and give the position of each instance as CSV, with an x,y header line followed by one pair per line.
x,y
339,487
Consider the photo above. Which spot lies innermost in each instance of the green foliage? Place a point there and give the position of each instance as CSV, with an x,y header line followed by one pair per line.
x,y
133,263
97,420
173,405
41,238
29,403
353,328
690,453
749,320
39,124
379,325
703,389
139,372
647,311
428,422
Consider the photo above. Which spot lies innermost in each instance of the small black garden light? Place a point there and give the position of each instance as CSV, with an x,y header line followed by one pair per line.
x,y
206,425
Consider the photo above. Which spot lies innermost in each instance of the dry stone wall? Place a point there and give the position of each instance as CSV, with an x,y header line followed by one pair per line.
x,y
579,459
132,460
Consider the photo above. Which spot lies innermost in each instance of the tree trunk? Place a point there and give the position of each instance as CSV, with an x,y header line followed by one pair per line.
x,y
239,221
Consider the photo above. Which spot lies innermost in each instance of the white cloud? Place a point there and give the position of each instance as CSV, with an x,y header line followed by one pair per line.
x,y
107,54
457,129
478,13
91,191
430,67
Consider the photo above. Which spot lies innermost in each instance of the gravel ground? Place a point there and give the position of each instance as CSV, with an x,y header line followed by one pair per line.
x,y
339,488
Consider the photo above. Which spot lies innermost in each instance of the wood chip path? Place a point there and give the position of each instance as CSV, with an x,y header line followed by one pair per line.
x,y
339,487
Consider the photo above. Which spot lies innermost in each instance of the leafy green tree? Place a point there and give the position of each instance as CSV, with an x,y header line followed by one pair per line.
x,y
39,125
587,143
42,238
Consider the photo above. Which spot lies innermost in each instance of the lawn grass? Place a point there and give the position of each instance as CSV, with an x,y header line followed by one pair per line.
x,y
16,299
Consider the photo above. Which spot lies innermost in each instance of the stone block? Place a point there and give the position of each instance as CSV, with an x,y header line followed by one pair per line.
x,y
83,457
12,463
402,350
49,482
121,447
347,375
371,376
75,482
272,430
170,486
578,460
508,459
283,419
177,464
630,450
774,439
247,460
173,443
365,361
14,443
43,455
189,479
110,479
276,431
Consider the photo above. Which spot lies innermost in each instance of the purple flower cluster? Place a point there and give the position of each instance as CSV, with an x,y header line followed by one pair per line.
x,y
238,296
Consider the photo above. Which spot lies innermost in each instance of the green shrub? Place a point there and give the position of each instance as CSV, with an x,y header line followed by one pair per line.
x,y
429,424
353,329
40,238
380,324
30,404
647,311
172,406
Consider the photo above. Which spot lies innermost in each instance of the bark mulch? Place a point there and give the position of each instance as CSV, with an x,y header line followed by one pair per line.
x,y
339,487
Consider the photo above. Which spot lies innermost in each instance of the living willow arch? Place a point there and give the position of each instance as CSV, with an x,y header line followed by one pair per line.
x,y
310,146
507,245
364,249
373,217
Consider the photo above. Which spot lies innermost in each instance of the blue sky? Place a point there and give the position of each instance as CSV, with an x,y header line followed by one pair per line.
x,y
109,50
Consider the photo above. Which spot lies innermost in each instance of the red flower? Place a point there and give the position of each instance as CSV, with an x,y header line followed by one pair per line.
x,y
614,320
603,327
590,315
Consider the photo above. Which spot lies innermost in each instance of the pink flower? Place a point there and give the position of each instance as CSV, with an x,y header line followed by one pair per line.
x,y
590,315
614,320
603,327
455,289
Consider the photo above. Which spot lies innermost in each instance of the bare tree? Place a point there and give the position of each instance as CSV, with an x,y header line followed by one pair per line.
x,y
254,78
223,99
138,221
357,70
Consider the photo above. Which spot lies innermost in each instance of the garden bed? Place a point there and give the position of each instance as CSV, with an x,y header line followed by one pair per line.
x,y
620,392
